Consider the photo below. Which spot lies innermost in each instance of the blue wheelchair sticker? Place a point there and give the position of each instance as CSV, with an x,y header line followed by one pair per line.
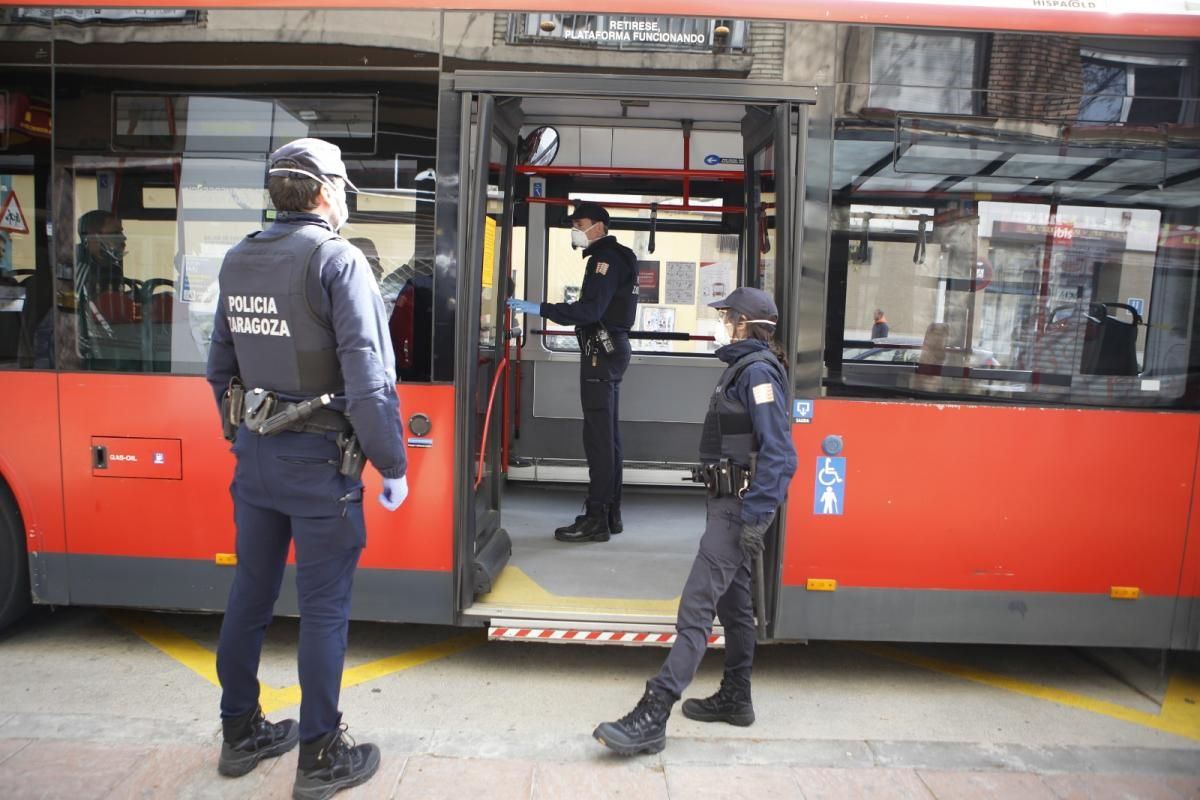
x,y
830,493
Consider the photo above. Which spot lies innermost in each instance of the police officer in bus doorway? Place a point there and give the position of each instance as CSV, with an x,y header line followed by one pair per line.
x,y
602,316
303,370
747,460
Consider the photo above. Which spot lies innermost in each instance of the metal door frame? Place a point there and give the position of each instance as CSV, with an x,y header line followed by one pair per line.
x,y
468,85
481,550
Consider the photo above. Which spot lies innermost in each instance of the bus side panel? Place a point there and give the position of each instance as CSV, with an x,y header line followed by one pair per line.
x,y
156,542
1185,634
985,523
29,463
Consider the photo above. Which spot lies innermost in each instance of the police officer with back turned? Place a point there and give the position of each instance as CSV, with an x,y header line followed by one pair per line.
x,y
303,371
602,317
747,461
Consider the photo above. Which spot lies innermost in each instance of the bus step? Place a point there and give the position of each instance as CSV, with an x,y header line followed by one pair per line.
x,y
525,630
565,471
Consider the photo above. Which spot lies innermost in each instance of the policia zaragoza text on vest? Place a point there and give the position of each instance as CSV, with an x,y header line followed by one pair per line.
x,y
602,317
303,369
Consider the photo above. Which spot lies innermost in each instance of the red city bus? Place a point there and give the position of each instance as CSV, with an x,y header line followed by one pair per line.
x,y
1014,185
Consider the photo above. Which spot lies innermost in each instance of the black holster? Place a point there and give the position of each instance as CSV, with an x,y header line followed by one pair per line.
x,y
259,407
352,457
233,404
595,339
723,478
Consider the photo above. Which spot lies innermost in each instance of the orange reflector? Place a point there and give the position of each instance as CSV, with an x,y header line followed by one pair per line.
x,y
822,585
226,559
1125,593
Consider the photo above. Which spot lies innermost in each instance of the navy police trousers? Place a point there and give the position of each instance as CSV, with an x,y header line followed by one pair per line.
x,y
287,489
719,584
600,396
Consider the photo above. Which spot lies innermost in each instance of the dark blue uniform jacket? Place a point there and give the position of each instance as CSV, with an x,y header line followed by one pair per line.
x,y
351,303
772,426
609,292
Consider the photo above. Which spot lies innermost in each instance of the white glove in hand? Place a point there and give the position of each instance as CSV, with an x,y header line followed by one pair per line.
x,y
394,492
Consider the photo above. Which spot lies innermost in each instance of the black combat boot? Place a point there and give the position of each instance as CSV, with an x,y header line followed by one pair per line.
x,y
332,763
730,704
643,730
250,738
615,525
591,527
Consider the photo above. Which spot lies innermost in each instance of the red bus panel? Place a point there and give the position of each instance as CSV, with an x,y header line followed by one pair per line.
x,y
192,518
122,457
29,456
996,498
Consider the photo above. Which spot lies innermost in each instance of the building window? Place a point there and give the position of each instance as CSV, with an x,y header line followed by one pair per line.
x,y
931,72
1138,89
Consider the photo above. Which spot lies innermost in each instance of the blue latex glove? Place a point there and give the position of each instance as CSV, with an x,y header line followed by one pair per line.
x,y
525,306
394,492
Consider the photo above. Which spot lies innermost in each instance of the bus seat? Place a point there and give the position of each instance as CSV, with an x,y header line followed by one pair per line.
x,y
401,326
160,306
118,307
1110,343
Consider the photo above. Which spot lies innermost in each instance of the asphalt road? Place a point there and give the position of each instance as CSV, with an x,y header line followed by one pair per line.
x,y
109,676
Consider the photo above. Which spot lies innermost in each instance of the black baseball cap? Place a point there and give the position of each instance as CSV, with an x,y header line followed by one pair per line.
x,y
751,303
593,211
316,156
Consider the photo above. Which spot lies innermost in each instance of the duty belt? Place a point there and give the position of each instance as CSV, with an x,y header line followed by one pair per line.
x,y
265,414
322,420
723,478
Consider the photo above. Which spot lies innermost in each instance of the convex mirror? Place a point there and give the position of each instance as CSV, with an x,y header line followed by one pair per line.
x,y
540,147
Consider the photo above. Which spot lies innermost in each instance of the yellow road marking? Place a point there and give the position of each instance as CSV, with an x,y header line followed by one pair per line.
x,y
203,661
198,659
272,699
1180,712
514,588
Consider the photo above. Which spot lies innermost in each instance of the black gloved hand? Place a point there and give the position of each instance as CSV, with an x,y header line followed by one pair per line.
x,y
752,539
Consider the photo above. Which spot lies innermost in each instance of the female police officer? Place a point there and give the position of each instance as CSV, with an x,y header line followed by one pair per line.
x,y
747,462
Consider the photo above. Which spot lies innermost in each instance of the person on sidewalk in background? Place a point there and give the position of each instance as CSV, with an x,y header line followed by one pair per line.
x,y
747,461
880,329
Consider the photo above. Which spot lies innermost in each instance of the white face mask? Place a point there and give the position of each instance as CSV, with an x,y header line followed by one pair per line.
x,y
340,211
724,336
579,236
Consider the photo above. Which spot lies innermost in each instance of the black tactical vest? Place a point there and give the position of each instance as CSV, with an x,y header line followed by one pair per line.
x,y
281,343
728,430
622,309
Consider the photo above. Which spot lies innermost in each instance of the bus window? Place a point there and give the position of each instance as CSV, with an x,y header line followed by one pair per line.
x,y
1047,259
26,285
150,224
693,263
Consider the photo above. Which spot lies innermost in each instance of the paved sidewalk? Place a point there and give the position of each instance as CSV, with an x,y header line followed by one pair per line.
x,y
82,757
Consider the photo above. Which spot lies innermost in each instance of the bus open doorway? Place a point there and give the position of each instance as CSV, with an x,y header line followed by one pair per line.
x,y
670,169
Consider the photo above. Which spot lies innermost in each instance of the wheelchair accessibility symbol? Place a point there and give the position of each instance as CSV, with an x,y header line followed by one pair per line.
x,y
830,492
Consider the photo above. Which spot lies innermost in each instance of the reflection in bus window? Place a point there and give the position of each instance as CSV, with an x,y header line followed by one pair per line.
x,y
153,224
23,300
1033,260
687,270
